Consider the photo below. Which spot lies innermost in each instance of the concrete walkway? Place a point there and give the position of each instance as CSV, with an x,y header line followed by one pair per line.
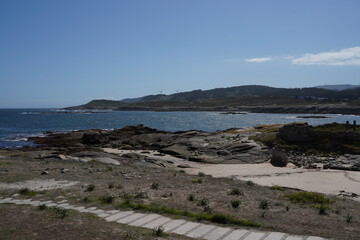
x,y
178,226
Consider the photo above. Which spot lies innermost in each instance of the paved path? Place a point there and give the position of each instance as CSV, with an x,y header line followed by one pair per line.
x,y
178,226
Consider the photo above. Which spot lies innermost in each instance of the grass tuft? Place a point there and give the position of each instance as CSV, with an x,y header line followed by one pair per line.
x,y
309,197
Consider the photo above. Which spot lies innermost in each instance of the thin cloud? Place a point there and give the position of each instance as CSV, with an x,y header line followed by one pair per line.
x,y
258,60
344,57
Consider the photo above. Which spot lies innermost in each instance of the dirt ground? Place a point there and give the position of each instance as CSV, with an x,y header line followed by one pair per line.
x,y
143,182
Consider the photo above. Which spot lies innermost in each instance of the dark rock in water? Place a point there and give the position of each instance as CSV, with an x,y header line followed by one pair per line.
x,y
279,159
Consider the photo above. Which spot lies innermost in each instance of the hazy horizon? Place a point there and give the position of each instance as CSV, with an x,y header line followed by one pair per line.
x,y
66,53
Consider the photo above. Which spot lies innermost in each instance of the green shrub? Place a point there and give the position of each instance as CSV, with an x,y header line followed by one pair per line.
x,y
208,209
203,202
309,197
348,218
264,204
141,195
27,192
90,188
159,231
61,212
111,185
191,197
250,183
236,191
86,199
235,203
201,174
42,207
155,186
278,188
107,199
196,180
323,209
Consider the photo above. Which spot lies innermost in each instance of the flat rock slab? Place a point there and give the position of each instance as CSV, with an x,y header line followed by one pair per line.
x,y
217,233
275,236
236,235
131,218
200,231
144,220
157,223
173,225
187,227
117,216
254,236
315,238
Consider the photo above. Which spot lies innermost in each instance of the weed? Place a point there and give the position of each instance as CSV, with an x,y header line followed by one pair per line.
x,y
86,199
322,209
61,212
42,207
235,203
90,188
159,231
201,174
155,186
27,192
264,204
250,183
141,195
208,209
236,191
107,199
111,185
348,218
196,180
166,195
278,188
182,171
191,197
287,208
309,197
109,169
203,202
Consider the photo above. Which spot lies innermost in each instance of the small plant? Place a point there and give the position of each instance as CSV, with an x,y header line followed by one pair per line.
x,y
61,212
159,231
348,218
90,188
250,183
309,197
141,195
264,204
201,174
109,169
203,202
235,203
155,186
182,171
208,209
111,185
278,188
196,180
42,207
107,199
287,208
27,192
322,209
236,191
191,197
166,195
86,199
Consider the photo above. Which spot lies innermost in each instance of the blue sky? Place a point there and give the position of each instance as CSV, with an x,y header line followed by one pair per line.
x,y
63,53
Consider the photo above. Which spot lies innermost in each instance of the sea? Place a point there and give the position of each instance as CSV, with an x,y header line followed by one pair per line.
x,y
16,125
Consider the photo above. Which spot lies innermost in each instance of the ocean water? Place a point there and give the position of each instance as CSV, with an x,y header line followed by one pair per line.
x,y
16,125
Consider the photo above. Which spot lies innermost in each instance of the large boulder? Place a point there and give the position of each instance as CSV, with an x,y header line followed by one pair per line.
x,y
279,158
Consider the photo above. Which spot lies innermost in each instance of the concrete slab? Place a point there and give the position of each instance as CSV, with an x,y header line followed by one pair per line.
x,y
103,215
157,222
144,220
254,236
187,227
63,205
200,231
236,235
98,211
119,215
315,238
35,203
131,218
6,200
51,204
275,236
78,208
293,238
43,202
92,208
113,211
168,227
217,233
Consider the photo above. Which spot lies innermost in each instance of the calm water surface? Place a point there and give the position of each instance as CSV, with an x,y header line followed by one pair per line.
x,y
18,124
